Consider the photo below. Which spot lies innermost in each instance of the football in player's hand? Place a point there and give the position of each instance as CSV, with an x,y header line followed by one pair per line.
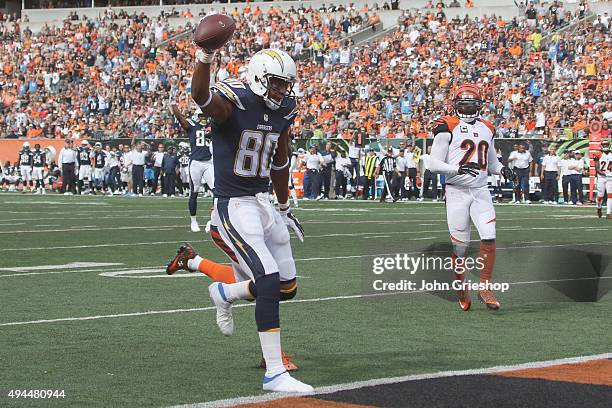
x,y
214,31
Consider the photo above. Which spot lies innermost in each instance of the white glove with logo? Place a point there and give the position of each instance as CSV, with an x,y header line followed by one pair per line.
x,y
291,221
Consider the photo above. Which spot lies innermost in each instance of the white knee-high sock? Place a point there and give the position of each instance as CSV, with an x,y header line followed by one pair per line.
x,y
236,291
294,196
271,350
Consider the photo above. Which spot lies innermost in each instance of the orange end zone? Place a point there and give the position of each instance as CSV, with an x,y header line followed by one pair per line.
x,y
299,402
598,372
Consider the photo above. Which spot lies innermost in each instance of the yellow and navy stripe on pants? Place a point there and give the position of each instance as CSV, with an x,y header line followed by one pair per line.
x,y
246,252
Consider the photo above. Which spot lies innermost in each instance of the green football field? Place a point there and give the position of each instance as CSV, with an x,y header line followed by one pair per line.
x,y
86,306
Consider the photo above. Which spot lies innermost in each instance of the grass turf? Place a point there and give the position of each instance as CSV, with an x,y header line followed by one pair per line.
x,y
172,358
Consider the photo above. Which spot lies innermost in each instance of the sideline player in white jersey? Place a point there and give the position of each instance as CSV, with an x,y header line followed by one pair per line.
x,y
24,164
604,179
463,150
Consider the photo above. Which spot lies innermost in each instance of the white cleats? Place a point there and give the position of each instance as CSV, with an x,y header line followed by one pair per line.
x,y
207,227
195,227
225,319
285,383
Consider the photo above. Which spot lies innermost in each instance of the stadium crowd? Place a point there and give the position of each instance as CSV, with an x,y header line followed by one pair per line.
x,y
98,79
110,78
394,88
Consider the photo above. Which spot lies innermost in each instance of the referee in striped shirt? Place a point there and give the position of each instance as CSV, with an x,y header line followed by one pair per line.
x,y
370,164
388,165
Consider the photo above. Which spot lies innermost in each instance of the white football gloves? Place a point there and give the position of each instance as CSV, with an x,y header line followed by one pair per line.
x,y
291,221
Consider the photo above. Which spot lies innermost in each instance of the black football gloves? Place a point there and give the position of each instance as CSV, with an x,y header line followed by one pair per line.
x,y
469,168
508,174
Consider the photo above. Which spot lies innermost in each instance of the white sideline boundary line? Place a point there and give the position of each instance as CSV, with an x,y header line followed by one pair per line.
x,y
394,380
312,300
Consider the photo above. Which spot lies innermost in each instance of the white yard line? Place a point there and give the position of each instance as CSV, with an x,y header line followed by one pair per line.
x,y
98,245
161,267
200,309
414,219
49,202
96,228
73,265
394,380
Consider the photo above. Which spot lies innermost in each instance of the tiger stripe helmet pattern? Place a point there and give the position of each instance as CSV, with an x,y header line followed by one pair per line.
x,y
467,102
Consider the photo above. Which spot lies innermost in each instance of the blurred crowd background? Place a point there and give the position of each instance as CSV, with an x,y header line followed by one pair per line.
x,y
112,76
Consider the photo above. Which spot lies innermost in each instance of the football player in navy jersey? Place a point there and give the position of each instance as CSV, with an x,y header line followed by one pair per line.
x,y
84,155
24,164
10,177
38,167
201,163
183,158
250,131
99,158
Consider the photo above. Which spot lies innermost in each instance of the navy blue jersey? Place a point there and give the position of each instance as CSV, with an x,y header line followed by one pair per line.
x,y
99,159
184,160
25,157
83,154
169,163
199,141
38,158
246,142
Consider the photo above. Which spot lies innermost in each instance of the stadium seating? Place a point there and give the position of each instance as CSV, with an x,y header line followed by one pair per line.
x,y
93,77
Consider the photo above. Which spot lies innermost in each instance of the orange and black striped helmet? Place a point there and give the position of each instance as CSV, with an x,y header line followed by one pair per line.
x,y
467,102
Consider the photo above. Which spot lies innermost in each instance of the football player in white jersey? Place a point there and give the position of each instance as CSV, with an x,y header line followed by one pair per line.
x,y
604,179
24,164
463,150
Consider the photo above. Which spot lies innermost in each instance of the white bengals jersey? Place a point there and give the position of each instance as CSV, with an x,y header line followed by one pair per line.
x,y
605,165
469,142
